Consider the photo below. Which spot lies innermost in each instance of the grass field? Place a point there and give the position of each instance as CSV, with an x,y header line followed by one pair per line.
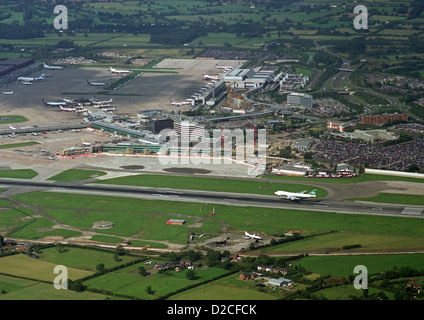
x,y
18,174
22,289
361,178
146,218
23,266
82,258
226,288
334,242
77,174
12,119
128,282
210,184
344,292
342,266
17,145
408,199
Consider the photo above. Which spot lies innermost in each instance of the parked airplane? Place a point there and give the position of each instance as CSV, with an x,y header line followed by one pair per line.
x,y
224,67
67,109
96,102
208,77
105,109
297,195
7,92
10,127
25,79
119,71
68,101
98,84
54,104
180,103
52,67
252,236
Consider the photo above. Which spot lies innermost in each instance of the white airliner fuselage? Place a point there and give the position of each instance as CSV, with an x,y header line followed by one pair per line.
x,y
296,195
97,84
51,67
252,236
54,104
7,92
208,77
118,71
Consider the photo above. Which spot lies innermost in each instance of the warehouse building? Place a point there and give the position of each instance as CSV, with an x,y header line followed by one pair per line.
x,y
5,70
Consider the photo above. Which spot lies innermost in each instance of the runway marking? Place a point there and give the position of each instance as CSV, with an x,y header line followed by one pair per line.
x,y
412,211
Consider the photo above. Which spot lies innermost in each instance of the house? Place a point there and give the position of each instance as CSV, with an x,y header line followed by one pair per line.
x,y
9,242
415,285
249,275
186,262
180,267
282,271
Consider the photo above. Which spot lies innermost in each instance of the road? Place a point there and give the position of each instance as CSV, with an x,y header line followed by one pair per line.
x,y
233,199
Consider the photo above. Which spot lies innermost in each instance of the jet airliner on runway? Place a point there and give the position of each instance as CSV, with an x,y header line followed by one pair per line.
x,y
296,195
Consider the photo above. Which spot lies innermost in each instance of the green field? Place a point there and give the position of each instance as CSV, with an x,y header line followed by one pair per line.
x,y
211,184
146,218
77,174
226,288
22,289
17,145
334,242
23,266
342,266
12,119
361,178
128,282
408,199
18,174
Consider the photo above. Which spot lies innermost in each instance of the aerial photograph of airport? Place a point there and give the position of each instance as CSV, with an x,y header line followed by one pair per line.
x,y
212,150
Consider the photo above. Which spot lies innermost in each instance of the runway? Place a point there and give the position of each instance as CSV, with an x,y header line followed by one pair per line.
x,y
233,199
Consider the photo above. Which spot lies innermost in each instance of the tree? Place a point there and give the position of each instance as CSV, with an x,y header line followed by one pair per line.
x,y
142,271
191,275
100,267
149,290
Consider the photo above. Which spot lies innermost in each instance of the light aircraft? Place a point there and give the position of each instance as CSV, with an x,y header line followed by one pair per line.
x,y
208,77
54,104
10,127
67,109
7,92
297,195
252,236
224,67
25,79
119,71
98,84
52,67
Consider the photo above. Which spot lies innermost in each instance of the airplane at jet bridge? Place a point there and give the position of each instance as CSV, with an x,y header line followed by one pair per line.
x,y
296,195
